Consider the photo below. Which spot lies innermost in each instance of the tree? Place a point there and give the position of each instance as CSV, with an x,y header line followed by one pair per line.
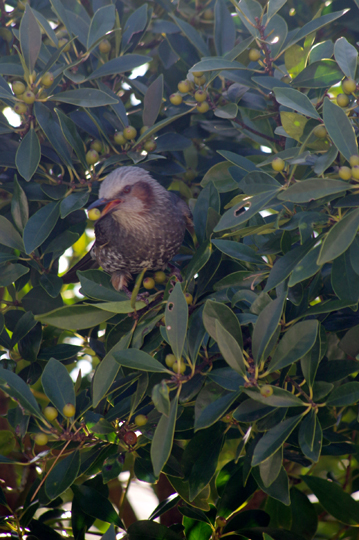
x,y
237,385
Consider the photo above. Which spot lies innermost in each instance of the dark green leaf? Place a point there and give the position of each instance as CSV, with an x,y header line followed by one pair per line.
x,y
271,467
127,62
194,37
273,439
70,133
310,436
30,38
289,97
28,155
346,55
63,475
152,102
151,530
16,388
312,189
279,398
217,311
49,124
230,349
58,385
73,202
19,206
23,327
176,317
40,225
75,317
163,438
266,326
340,129
85,97
344,279
136,359
344,395
321,74
304,516
238,251
10,273
101,23
93,503
278,490
339,237
315,24
9,236
224,28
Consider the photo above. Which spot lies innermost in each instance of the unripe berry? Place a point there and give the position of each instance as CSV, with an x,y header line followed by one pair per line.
x,y
105,46
119,138
184,86
320,132
41,439
287,79
20,108
190,174
342,100
47,79
266,390
189,298
278,164
129,133
345,173
149,283
69,410
63,42
18,88
197,73
130,438
354,160
160,277
202,107
221,522
28,97
92,157
176,99
150,145
94,214
96,145
200,81
254,55
141,420
349,86
355,172
170,360
50,413
200,95
179,367
143,129
208,15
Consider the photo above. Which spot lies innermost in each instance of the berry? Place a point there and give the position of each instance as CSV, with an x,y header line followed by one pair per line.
x,y
143,129
179,367
50,413
287,79
96,145
345,173
190,175
221,522
278,164
349,86
208,15
170,360
94,214
266,390
149,283
184,86
69,410
63,42
254,55
355,172
28,97
176,99
105,46
47,79
141,420
129,133
150,146
119,138
200,95
342,100
41,439
197,73
92,157
20,108
189,298
18,88
203,107
320,132
200,80
160,277
354,160
130,438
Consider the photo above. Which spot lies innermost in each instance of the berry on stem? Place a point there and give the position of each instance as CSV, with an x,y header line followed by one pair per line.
x,y
129,133
104,46
349,86
345,173
28,97
149,283
130,438
184,86
343,100
202,107
92,157
266,390
354,160
160,277
170,360
176,99
41,439
96,145
119,138
18,88
50,413
320,132
69,410
141,420
254,55
189,298
200,95
47,79
278,164
20,108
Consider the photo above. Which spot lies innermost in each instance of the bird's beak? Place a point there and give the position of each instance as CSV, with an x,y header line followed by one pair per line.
x,y
108,203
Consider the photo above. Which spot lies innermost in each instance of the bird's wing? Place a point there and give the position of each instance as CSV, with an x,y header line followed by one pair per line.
x,y
186,212
86,263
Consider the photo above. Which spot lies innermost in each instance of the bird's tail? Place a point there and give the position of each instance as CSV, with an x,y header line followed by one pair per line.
x,y
86,263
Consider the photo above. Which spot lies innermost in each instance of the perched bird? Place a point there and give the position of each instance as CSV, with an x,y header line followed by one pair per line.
x,y
142,225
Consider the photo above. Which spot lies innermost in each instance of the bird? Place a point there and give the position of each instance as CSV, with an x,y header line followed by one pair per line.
x,y
141,226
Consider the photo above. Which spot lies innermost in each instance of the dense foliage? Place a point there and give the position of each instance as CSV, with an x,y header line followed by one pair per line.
x,y
239,381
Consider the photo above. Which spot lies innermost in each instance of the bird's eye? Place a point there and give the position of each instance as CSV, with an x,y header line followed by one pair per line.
x,y
126,189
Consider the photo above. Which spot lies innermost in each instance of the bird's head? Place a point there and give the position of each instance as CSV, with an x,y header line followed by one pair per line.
x,y
129,193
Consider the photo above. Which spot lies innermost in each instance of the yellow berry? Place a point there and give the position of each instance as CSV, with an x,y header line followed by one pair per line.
x,y
179,367
287,79
170,360
320,132
278,164
160,277
63,42
349,86
189,298
50,413
184,86
200,95
355,172
254,55
143,129
47,79
208,15
266,390
20,108
129,133
96,145
197,73
119,138
342,100
105,46
202,107
200,81
345,173
92,157
176,99
41,439
94,214
149,283
150,145
69,410
141,420
28,97
354,160
18,88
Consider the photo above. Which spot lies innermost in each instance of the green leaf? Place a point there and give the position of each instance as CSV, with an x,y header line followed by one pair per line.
x,y
334,499
340,129
40,225
161,398
344,279
75,317
344,395
273,7
238,251
230,349
228,111
30,38
94,504
274,439
9,236
97,284
136,359
163,438
16,388
289,97
38,301
63,475
152,102
101,23
73,202
70,133
296,342
339,237
58,385
176,318
193,36
278,490
135,24
85,97
212,403
127,62
214,311
347,56
306,268
28,155
271,467
224,28
266,326
315,24
19,206
120,307
10,273
23,327
141,530
304,515
312,189
310,436
279,398
49,124
321,74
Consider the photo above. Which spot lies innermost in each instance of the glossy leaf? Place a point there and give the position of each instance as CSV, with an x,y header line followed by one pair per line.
x,y
30,38
273,439
194,36
224,28
340,129
50,126
9,236
265,327
75,317
344,395
279,398
339,237
310,437
124,63
70,133
96,505
322,74
289,97
344,279
176,318
101,23
214,311
29,148
85,97
238,251
163,438
19,206
135,359
57,384
16,388
73,202
346,55
230,349
312,189
152,102
40,225
10,273
62,476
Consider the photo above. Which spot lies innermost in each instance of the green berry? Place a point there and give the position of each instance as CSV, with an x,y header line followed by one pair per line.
x,y
18,88
143,129
278,164
176,99
200,96
141,420
129,133
254,55
170,360
41,439
28,97
20,108
342,100
149,283
200,81
202,107
345,173
119,138
287,79
349,86
63,42
266,390
184,86
197,73
50,413
355,172
320,132
179,367
94,214
47,79
105,46
69,410
150,145
208,15
160,277
92,157
96,145
189,298
354,160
